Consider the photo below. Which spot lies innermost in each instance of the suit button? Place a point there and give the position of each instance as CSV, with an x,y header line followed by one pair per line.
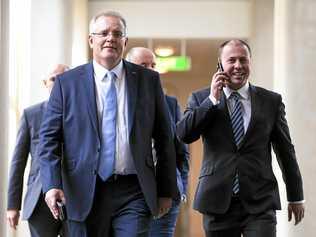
x,y
98,150
95,172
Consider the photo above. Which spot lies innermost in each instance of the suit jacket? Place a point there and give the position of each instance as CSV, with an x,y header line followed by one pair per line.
x,y
182,151
267,128
26,143
71,118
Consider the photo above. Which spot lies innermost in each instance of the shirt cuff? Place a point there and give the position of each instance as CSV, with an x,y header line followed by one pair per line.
x,y
298,202
213,100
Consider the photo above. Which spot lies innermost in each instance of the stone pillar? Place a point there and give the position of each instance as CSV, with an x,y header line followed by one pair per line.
x,y
295,53
4,101
261,42
80,32
51,41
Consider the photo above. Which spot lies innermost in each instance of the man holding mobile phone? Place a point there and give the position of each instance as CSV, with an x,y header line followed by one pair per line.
x,y
240,123
35,211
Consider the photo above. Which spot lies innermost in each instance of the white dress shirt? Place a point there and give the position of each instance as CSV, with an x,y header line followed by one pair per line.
x,y
124,163
244,99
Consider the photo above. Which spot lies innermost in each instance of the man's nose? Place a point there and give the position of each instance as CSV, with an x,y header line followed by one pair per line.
x,y
238,64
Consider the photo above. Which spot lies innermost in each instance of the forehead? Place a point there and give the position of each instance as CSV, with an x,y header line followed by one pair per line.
x,y
235,50
108,22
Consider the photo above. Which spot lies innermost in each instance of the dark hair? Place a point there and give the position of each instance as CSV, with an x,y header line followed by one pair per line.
x,y
236,41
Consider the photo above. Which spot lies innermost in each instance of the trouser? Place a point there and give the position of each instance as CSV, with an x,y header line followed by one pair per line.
x,y
119,210
237,221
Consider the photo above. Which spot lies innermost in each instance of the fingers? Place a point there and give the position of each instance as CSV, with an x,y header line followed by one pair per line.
x,y
13,218
299,215
51,198
297,210
12,223
289,214
219,81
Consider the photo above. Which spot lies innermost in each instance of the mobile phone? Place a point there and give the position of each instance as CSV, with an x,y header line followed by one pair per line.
x,y
219,66
62,215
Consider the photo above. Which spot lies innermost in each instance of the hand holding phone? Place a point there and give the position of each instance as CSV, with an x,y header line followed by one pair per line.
x,y
62,215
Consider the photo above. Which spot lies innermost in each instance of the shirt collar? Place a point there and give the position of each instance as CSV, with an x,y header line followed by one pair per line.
x,y
101,71
243,91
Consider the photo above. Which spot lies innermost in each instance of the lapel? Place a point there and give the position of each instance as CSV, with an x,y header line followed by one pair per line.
x,y
87,77
255,104
132,80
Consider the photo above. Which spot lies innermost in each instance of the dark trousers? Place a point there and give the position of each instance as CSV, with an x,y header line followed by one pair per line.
x,y
237,221
119,210
42,222
165,226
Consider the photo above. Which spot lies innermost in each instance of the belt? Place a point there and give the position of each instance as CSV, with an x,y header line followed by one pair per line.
x,y
118,177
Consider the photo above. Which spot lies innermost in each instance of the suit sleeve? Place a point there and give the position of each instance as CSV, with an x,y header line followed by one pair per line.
x,y
18,163
196,117
182,152
286,157
50,140
165,152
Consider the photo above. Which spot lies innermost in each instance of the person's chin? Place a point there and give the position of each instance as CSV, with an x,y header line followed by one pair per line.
x,y
237,82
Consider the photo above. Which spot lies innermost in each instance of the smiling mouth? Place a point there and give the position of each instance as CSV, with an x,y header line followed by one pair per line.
x,y
109,47
238,74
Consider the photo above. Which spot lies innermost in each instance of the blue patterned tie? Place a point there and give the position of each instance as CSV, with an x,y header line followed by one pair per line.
x,y
238,130
108,140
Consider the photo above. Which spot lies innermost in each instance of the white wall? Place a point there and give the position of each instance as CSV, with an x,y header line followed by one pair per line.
x,y
181,19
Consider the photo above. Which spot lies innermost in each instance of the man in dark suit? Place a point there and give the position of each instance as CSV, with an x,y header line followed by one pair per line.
x,y
35,210
103,116
239,123
165,225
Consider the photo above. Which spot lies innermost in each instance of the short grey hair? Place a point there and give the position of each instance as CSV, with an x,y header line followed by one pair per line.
x,y
107,14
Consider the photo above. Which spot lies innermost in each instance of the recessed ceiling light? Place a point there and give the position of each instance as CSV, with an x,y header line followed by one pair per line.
x,y
164,51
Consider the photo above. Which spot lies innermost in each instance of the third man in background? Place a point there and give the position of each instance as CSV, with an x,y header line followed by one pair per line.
x,y
165,225
35,210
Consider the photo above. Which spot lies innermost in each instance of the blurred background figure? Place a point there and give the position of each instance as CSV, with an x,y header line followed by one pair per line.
x,y
35,211
165,225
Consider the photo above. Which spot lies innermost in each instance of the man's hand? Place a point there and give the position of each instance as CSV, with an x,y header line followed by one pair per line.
x,y
297,209
51,197
13,217
164,205
219,80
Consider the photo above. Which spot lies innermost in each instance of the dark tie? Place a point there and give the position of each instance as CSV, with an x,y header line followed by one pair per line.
x,y
238,130
108,140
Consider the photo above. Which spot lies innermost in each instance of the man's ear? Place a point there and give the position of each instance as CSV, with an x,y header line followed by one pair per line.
x,y
126,40
90,41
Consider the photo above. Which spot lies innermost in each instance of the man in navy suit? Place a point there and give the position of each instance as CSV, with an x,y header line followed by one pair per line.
x,y
103,116
164,226
35,210
239,123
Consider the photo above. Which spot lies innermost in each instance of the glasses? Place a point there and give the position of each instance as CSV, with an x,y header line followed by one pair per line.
x,y
105,34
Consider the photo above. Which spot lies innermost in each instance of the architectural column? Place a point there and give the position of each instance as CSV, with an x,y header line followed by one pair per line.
x,y
4,101
295,53
261,42
51,41
80,32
